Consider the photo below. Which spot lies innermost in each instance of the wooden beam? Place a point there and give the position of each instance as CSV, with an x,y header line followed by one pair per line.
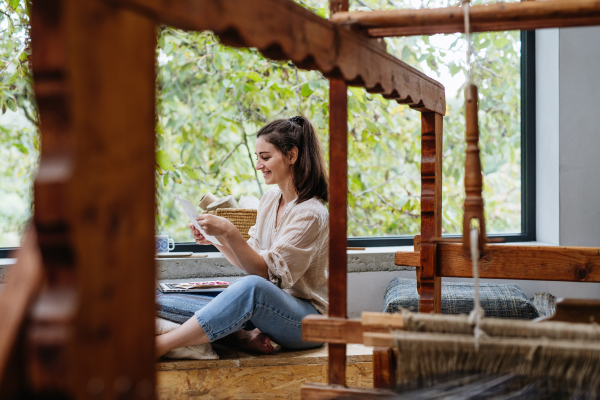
x,y
431,211
384,368
51,320
487,346
473,205
378,339
336,6
526,15
372,320
338,220
406,258
315,391
584,311
91,332
16,297
491,27
544,263
321,328
287,31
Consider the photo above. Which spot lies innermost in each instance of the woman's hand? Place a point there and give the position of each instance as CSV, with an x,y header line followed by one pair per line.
x,y
215,226
198,237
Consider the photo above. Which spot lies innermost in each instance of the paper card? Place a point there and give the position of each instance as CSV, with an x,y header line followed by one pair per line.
x,y
202,285
190,210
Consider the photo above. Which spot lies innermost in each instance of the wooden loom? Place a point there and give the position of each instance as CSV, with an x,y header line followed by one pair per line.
x,y
71,325
432,257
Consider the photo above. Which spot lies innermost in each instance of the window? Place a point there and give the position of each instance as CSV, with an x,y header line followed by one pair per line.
x,y
210,106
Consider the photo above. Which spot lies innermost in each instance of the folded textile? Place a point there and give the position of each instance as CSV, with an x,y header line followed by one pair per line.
x,y
545,303
249,202
225,202
197,352
179,307
497,300
206,200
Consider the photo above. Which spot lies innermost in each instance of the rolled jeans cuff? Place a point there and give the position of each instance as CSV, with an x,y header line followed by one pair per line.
x,y
205,328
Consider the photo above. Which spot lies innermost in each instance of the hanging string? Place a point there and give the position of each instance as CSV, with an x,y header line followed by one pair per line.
x,y
466,6
477,314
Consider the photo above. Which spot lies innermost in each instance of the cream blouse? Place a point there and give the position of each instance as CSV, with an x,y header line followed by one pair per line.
x,y
296,251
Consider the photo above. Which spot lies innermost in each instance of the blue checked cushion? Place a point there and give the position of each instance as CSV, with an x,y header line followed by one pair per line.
x,y
498,300
179,307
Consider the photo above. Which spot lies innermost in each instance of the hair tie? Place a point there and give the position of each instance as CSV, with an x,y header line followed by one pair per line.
x,y
298,120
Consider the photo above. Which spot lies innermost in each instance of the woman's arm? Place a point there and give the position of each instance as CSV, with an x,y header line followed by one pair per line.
x,y
225,249
250,261
236,247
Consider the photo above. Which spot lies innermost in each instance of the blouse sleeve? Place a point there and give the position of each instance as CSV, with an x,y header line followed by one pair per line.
x,y
252,241
289,257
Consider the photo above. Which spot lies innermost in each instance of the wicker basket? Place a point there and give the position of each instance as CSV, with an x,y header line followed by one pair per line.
x,y
242,218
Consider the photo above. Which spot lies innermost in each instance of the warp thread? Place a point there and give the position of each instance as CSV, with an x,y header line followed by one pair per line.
x,y
575,364
478,313
496,327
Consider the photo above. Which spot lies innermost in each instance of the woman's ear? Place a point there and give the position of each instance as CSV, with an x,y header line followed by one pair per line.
x,y
293,155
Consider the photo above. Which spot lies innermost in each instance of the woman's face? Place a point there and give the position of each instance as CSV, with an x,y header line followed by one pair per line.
x,y
275,167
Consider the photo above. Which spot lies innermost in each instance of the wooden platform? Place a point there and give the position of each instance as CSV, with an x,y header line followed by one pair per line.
x,y
238,375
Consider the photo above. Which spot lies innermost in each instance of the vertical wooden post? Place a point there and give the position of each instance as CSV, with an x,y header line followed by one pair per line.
x,y
91,332
384,368
337,5
338,198
52,318
473,175
338,202
431,210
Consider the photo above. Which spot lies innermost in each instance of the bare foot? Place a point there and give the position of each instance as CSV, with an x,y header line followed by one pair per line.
x,y
253,341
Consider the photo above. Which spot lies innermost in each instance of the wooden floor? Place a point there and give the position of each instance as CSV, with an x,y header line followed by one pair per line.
x,y
238,375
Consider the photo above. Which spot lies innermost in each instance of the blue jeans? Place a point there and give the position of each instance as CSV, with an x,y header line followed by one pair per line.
x,y
251,302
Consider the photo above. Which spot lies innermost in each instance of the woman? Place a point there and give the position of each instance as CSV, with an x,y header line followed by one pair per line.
x,y
285,257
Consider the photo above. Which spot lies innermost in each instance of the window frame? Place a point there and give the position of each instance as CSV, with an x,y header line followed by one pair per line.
x,y
528,195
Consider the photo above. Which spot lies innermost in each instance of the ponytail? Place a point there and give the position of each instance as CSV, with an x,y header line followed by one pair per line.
x,y
310,173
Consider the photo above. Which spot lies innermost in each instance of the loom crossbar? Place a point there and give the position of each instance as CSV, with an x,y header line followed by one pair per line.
x,y
526,15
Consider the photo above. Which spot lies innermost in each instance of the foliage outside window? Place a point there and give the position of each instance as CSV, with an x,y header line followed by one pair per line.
x,y
19,145
212,99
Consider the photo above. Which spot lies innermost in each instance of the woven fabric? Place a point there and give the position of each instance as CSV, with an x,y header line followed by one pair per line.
x,y
545,304
242,218
497,300
197,352
179,307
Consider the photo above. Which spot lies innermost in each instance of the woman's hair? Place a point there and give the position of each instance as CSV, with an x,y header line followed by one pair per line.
x,y
310,173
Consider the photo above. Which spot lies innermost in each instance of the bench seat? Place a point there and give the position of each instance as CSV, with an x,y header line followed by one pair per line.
x,y
246,376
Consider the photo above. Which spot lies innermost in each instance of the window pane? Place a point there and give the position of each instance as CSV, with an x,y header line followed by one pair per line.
x,y
212,99
385,175
18,126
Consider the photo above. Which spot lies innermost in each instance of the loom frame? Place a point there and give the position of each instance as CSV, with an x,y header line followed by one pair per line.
x,y
72,325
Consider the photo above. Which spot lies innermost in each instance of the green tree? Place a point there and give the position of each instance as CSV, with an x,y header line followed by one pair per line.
x,y
212,99
19,144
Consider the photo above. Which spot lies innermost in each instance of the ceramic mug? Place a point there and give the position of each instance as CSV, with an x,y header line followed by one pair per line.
x,y
164,244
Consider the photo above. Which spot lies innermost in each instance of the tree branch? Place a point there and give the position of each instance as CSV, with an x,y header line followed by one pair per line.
x,y
369,190
245,139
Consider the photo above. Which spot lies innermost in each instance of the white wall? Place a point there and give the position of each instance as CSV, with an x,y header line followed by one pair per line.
x,y
567,147
547,136
579,136
568,136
